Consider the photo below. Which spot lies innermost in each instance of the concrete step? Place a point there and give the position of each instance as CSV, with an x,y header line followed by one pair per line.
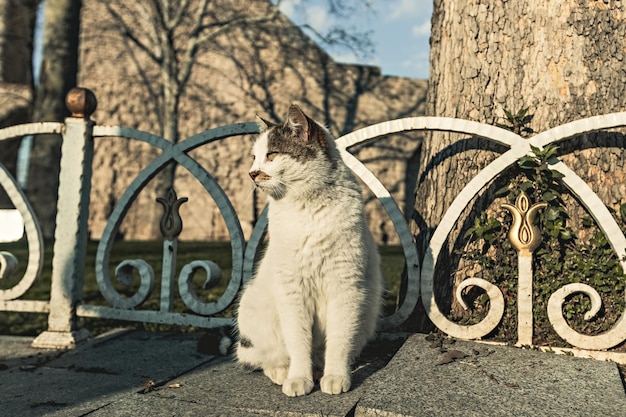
x,y
163,374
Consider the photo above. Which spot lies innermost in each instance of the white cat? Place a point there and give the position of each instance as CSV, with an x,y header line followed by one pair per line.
x,y
315,299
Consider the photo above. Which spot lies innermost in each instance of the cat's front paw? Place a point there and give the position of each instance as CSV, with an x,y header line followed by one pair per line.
x,y
277,375
335,384
296,387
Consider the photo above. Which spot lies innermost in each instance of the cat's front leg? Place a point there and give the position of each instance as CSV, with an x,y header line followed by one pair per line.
x,y
296,323
335,384
342,340
336,379
296,387
300,374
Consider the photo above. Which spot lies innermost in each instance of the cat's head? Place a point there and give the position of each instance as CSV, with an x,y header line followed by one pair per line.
x,y
293,157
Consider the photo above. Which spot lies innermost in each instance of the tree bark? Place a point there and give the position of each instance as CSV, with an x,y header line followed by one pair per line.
x,y
562,60
57,77
17,22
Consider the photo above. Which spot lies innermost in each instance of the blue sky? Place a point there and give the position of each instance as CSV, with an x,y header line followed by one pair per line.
x,y
401,32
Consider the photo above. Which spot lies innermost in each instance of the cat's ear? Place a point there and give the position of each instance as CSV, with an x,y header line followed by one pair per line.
x,y
264,124
298,122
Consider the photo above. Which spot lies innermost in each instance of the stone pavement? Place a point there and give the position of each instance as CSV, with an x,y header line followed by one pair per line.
x,y
132,373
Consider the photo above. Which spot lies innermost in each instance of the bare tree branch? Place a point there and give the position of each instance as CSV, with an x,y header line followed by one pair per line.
x,y
156,56
359,43
180,13
171,34
192,45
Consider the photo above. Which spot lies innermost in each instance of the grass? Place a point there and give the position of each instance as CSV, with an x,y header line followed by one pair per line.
x,y
31,324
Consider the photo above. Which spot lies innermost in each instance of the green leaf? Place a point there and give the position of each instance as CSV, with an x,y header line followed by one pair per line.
x,y
526,185
557,175
503,126
549,196
521,113
622,211
566,235
536,150
552,213
550,151
587,221
527,162
503,191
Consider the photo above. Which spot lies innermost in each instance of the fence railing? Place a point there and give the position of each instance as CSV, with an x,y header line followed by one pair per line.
x,y
70,241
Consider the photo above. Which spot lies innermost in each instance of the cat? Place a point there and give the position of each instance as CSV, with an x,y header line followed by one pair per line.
x,y
315,299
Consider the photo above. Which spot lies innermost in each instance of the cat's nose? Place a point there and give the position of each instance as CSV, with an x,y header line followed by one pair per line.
x,y
254,174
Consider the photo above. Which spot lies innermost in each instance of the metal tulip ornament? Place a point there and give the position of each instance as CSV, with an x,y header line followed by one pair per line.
x,y
525,236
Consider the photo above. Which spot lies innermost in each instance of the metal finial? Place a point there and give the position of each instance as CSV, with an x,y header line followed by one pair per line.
x,y
81,102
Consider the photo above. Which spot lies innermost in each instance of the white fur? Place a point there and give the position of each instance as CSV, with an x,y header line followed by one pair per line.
x,y
315,299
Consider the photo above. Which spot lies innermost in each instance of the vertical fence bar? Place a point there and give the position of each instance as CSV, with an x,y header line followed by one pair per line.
x,y
71,233
525,237
525,299
171,226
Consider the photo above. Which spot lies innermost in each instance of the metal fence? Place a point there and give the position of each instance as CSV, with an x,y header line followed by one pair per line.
x,y
68,265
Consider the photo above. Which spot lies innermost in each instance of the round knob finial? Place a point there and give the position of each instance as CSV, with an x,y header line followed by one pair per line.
x,y
81,102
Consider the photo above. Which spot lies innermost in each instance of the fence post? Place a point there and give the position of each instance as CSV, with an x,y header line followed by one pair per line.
x,y
71,233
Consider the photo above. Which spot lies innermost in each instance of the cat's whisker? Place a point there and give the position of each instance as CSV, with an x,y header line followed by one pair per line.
x,y
277,187
252,189
250,197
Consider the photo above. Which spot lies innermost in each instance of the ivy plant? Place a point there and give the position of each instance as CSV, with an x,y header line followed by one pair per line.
x,y
563,257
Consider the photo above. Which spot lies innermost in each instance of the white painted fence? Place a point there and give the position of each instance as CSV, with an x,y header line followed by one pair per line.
x,y
66,304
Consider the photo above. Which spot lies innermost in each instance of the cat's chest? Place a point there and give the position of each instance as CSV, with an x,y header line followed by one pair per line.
x,y
305,227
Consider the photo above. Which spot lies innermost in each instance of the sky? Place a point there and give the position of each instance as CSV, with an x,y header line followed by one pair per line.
x,y
400,32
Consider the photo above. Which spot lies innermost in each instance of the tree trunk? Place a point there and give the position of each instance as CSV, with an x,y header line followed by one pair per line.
x,y
57,77
17,22
562,60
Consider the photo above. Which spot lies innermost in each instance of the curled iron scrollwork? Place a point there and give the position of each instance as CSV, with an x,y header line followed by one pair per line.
x,y
34,238
185,286
124,275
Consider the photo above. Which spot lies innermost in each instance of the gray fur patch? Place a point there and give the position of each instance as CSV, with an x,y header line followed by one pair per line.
x,y
301,143
244,342
246,367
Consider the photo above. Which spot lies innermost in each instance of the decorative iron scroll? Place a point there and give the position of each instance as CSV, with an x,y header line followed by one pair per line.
x,y
178,153
518,148
243,257
8,261
244,253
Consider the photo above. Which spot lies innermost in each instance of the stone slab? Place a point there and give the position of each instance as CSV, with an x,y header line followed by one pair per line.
x,y
225,388
155,406
107,377
221,387
51,391
139,356
432,378
99,373
15,351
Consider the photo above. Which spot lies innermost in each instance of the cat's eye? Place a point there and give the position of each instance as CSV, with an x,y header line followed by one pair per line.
x,y
271,156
